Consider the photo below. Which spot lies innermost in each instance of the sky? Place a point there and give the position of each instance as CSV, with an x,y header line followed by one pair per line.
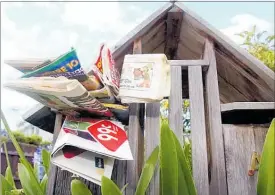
x,y
48,29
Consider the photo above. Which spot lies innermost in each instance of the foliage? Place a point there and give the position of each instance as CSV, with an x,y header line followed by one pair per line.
x,y
31,139
260,47
27,176
188,152
35,139
164,107
266,177
176,177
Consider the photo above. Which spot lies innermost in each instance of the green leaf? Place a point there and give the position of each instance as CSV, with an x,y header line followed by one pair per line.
x,y
44,183
168,162
188,153
190,185
46,158
35,170
5,185
108,187
27,181
9,176
147,172
79,188
124,187
266,178
21,155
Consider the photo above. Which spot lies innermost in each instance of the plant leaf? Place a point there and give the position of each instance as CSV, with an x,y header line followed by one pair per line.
x,y
147,172
184,167
79,188
9,176
46,158
5,185
266,178
168,162
26,181
21,155
35,170
44,183
108,187
124,187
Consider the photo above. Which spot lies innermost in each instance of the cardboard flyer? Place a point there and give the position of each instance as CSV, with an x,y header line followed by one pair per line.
x,y
88,147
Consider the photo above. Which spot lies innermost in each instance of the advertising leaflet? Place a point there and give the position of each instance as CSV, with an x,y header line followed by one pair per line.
x,y
93,144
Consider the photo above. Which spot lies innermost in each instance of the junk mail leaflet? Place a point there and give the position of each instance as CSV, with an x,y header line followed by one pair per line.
x,y
104,137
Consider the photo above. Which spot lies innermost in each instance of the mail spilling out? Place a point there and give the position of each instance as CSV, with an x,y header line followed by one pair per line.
x,y
96,104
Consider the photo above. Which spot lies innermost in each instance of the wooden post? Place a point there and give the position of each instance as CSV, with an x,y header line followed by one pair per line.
x,y
175,103
136,139
218,183
53,168
152,139
198,130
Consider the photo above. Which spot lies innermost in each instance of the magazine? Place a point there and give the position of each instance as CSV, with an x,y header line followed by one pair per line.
x,y
106,70
60,94
93,143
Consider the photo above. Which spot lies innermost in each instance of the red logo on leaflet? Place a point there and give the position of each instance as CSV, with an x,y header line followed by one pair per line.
x,y
108,134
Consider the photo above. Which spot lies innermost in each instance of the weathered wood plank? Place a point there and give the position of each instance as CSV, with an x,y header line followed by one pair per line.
x,y
136,138
218,183
140,30
198,130
245,81
228,93
53,168
184,64
209,31
173,22
239,142
247,106
175,103
152,139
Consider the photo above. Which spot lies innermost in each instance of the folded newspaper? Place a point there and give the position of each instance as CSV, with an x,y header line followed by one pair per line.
x,y
59,93
88,147
102,84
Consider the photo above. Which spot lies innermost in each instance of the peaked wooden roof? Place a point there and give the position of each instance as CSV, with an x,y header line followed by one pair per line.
x,y
180,34
242,77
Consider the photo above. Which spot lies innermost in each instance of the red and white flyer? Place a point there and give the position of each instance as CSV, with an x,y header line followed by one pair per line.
x,y
88,147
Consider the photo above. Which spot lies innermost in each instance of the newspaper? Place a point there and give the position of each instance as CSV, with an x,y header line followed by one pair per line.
x,y
60,94
88,147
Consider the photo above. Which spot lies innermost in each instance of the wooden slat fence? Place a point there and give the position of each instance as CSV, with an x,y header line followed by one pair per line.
x,y
144,138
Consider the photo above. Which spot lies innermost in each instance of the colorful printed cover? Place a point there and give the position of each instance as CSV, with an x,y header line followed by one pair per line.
x,y
68,66
88,147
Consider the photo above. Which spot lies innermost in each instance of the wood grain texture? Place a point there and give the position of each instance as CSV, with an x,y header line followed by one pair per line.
x,y
198,133
53,169
240,54
136,138
218,183
239,142
242,79
140,30
228,93
247,106
173,21
175,103
152,139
